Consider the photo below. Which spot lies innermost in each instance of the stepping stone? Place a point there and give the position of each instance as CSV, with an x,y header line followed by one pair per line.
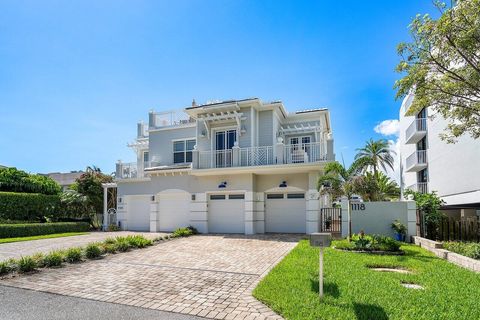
x,y
391,270
412,286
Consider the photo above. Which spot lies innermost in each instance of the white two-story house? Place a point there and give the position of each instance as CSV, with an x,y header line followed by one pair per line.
x,y
243,166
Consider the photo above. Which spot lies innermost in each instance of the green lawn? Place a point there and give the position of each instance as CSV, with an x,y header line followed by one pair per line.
x,y
353,291
45,236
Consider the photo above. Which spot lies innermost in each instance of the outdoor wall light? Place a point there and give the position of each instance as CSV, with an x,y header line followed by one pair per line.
x,y
283,184
223,184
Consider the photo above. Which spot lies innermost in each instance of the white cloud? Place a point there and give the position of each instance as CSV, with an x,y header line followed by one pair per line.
x,y
388,127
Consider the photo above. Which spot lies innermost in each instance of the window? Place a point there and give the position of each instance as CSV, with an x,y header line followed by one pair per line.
x,y
217,197
182,150
145,156
295,196
236,196
275,196
422,176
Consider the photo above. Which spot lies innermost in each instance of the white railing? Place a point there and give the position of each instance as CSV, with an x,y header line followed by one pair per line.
x,y
171,118
128,171
256,156
417,125
215,159
421,187
418,157
304,153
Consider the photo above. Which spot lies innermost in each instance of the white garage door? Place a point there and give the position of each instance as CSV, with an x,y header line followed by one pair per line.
x,y
138,213
285,213
226,213
173,210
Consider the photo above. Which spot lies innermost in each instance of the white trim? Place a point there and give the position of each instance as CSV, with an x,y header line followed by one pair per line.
x,y
182,126
284,190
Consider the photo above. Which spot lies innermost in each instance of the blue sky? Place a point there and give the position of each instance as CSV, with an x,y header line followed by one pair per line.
x,y
76,76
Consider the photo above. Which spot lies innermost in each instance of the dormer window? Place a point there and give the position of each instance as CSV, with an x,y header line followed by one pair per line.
x,y
182,150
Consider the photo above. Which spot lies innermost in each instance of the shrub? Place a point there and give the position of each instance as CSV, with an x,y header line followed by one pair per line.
x,y
193,229
14,180
53,259
26,264
138,241
122,244
113,228
39,259
399,227
108,247
73,255
182,232
468,249
27,206
36,229
92,251
110,240
4,268
364,242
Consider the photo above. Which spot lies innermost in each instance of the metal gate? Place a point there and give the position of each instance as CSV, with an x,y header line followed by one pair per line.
x,y
331,220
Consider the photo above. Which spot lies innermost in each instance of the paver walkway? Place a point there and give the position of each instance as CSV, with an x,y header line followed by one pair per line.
x,y
25,248
210,276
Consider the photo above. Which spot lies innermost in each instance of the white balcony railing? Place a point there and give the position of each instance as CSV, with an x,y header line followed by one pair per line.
x,y
416,128
421,187
261,156
128,171
419,157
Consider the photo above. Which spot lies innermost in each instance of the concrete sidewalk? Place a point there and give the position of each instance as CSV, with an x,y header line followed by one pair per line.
x,y
26,248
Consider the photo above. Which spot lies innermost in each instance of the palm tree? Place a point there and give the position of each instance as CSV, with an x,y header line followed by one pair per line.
x,y
337,180
376,154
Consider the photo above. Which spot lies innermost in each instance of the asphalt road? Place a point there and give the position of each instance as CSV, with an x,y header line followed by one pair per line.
x,y
20,304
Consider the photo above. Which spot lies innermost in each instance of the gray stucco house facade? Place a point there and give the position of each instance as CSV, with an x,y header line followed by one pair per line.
x,y
240,166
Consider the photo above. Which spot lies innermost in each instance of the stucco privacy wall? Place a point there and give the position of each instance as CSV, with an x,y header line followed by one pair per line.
x,y
377,217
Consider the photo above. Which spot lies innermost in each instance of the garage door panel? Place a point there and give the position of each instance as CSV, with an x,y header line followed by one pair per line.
x,y
226,214
173,210
285,213
138,213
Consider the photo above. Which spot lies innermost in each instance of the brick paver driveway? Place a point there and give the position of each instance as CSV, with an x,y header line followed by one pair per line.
x,y
26,248
208,276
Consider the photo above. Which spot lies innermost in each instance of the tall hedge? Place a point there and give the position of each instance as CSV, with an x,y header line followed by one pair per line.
x,y
14,180
38,229
28,206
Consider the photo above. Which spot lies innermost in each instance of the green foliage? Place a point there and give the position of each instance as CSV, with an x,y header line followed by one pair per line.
x,y
468,249
28,206
110,240
39,259
93,251
429,204
45,236
73,255
138,241
90,185
442,67
113,228
376,154
53,259
34,229
193,229
399,227
122,244
74,205
13,180
354,291
182,232
363,242
5,267
108,247
26,264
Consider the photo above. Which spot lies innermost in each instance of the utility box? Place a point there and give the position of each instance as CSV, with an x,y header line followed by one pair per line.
x,y
321,240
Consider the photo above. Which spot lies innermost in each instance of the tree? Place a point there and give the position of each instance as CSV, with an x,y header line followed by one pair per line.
x,y
14,180
429,204
375,154
89,184
442,67
376,187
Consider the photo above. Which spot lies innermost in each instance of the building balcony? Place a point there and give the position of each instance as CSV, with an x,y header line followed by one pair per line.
x,y
416,131
128,171
279,154
416,161
421,187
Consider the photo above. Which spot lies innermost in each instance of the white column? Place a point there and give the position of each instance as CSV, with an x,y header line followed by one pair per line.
x,y
105,208
199,212
154,216
259,212
345,217
411,219
249,212
313,210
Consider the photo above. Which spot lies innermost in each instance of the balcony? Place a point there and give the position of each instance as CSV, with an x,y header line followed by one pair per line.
x,y
421,187
128,171
416,161
260,156
416,131
158,120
